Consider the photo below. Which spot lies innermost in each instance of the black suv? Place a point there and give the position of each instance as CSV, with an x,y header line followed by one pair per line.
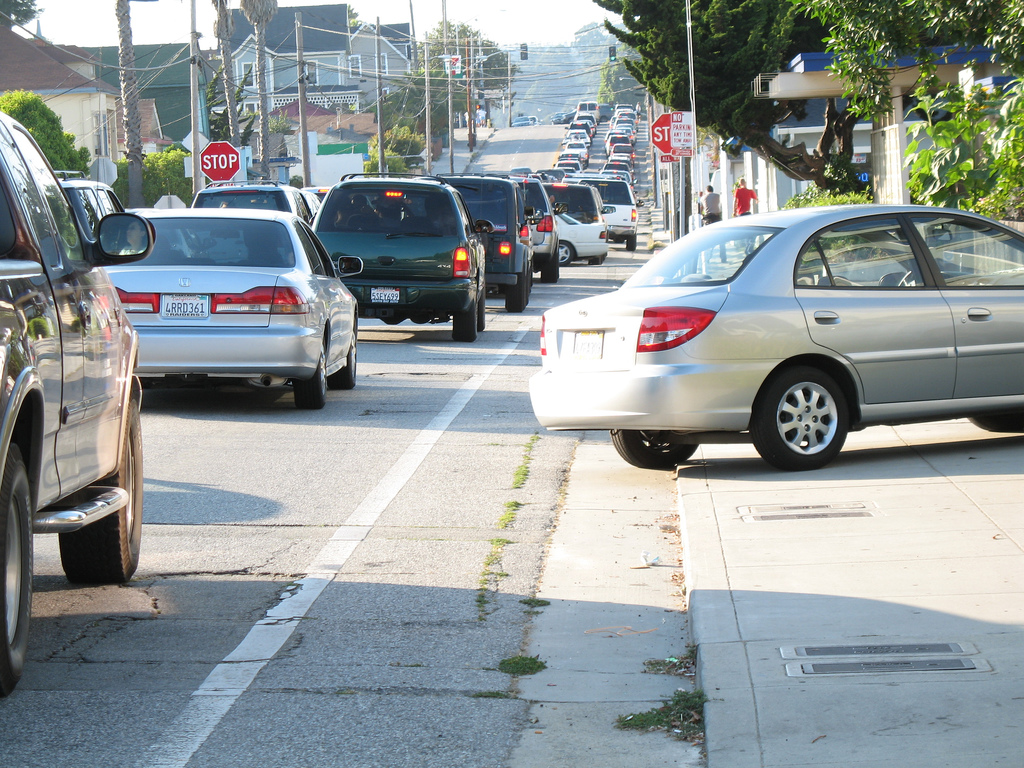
x,y
268,195
422,252
500,202
70,432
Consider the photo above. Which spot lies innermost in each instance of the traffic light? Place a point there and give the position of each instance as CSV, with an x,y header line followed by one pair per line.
x,y
524,52
611,53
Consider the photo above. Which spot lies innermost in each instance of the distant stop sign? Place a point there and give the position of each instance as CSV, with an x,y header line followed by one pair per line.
x,y
219,161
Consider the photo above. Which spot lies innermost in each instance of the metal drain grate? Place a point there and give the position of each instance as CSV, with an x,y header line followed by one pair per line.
x,y
879,667
882,649
770,512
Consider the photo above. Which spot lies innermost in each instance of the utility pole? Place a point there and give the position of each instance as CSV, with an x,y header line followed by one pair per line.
x,y
451,121
509,62
470,109
427,105
382,161
197,173
303,135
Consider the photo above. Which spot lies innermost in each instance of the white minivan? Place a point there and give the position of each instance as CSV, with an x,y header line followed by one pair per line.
x,y
620,208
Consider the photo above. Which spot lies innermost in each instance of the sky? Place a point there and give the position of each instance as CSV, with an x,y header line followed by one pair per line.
x,y
505,22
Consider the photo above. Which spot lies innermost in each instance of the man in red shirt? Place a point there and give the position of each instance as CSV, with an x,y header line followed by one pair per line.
x,y
743,199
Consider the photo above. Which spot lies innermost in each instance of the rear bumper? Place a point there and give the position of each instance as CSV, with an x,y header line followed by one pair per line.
x,y
437,299
290,352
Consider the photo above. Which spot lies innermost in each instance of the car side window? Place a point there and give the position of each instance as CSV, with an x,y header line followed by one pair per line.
x,y
91,206
318,258
25,189
872,253
67,244
302,208
971,253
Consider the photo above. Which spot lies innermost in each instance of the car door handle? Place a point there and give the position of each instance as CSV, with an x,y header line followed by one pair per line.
x,y
978,313
822,317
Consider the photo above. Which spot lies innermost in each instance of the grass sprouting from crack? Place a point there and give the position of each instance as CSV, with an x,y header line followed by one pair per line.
x,y
511,507
489,576
493,695
523,470
521,665
535,602
682,716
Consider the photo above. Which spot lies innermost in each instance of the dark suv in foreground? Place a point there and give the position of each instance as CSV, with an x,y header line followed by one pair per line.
x,y
70,434
500,201
422,253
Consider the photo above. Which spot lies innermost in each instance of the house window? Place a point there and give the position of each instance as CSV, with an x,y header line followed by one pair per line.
x,y
355,66
384,64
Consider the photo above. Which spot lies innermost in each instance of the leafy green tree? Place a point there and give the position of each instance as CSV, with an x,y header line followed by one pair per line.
x,y
401,147
46,128
734,41
17,12
220,124
163,173
867,36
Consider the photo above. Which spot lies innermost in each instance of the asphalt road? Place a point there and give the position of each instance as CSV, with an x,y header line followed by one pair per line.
x,y
326,588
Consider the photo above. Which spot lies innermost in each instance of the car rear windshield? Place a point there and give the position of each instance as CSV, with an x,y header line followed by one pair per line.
x,y
612,192
486,201
535,197
266,200
389,209
579,201
220,242
710,255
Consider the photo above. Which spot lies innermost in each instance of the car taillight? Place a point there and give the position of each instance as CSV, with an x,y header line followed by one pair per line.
x,y
543,338
547,224
524,231
632,214
604,234
139,302
460,262
668,327
280,300
505,248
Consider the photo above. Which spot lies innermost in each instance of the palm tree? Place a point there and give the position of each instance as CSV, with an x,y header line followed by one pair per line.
x,y
259,13
130,103
225,26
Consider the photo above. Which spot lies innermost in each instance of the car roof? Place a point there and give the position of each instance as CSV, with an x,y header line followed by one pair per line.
x,y
217,213
826,215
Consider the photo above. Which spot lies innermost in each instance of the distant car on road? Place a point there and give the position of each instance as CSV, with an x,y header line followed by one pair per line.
x,y
581,241
260,195
790,329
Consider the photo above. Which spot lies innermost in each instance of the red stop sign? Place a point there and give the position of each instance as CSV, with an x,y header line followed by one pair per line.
x,y
661,133
220,161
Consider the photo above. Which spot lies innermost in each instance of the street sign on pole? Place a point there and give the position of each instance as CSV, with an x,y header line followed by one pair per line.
x,y
673,133
219,161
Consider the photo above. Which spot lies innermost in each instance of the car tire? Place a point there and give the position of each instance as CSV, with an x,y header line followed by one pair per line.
x,y
566,254
481,314
518,296
311,394
647,450
464,324
549,272
346,377
631,243
107,551
800,419
1003,422
16,549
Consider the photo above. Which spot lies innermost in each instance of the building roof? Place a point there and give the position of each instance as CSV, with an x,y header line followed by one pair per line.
x,y
325,28
40,67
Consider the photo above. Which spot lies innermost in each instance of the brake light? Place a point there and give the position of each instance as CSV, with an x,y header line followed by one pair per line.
x,y
632,214
604,234
139,302
505,248
668,327
393,193
543,338
524,231
460,265
280,300
547,224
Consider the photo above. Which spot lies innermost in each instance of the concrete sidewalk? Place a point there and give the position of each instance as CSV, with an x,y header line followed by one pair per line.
x,y
868,614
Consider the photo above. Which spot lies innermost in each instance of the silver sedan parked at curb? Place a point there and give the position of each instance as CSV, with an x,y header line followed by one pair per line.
x,y
790,329
241,295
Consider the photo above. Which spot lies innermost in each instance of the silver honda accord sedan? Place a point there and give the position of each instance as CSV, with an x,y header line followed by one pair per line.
x,y
790,329
243,295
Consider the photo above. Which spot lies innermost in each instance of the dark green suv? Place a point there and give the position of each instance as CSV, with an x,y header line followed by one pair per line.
x,y
423,257
501,203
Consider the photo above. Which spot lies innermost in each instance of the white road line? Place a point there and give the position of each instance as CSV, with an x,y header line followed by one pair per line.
x,y
209,703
